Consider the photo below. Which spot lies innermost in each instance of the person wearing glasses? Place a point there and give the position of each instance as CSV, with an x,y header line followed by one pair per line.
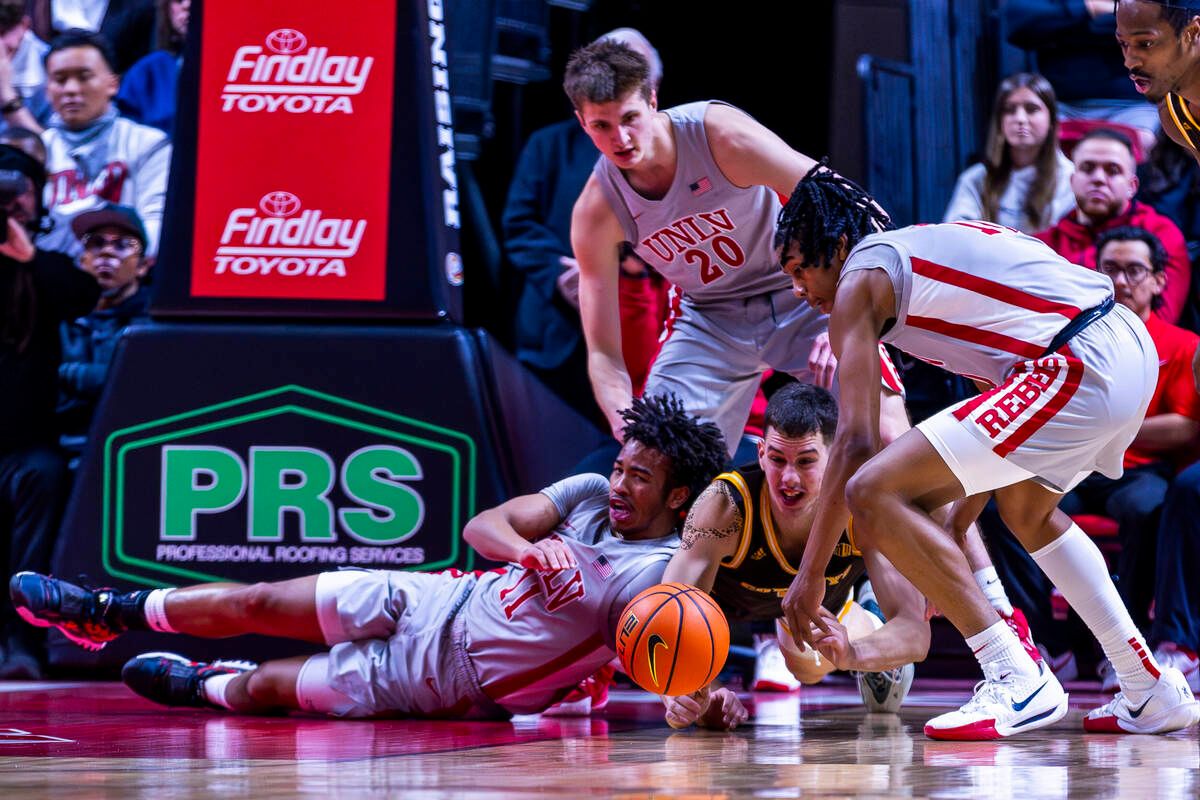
x,y
1136,262
113,239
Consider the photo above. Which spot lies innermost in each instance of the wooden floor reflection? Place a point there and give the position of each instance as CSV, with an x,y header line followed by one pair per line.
x,y
97,741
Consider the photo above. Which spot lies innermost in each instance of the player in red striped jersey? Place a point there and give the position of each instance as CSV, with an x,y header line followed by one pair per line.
x,y
1070,376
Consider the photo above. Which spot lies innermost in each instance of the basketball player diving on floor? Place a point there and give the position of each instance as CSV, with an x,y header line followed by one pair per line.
x,y
434,645
744,537
1071,375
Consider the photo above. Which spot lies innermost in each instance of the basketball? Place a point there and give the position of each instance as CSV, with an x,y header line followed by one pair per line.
x,y
673,639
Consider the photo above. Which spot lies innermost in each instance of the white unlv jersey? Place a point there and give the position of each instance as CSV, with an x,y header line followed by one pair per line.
x,y
710,238
975,297
531,635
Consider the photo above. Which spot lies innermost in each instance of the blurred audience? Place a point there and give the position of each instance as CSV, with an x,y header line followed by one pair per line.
x,y
1105,182
95,156
1073,41
22,73
1024,180
149,88
128,25
26,141
114,241
38,291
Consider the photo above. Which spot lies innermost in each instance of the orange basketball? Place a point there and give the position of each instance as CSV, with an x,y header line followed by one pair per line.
x,y
673,639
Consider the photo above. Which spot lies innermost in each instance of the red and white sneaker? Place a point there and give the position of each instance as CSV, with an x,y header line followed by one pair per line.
x,y
1169,706
1169,654
1002,706
1020,626
590,695
771,673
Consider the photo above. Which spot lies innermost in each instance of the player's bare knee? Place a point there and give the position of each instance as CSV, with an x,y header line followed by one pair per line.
x,y
264,688
863,497
256,601
1024,520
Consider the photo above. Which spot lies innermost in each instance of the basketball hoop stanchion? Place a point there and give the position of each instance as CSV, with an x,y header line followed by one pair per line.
x,y
306,397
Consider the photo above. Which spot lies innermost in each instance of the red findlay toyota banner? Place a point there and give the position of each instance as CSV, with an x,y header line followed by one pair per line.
x,y
292,163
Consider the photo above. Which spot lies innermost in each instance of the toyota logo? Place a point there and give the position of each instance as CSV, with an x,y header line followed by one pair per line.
x,y
279,204
286,41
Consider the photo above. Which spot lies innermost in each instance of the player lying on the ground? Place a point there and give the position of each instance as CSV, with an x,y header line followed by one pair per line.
x,y
430,644
748,530
1073,376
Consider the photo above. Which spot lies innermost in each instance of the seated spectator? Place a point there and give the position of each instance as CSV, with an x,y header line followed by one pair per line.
x,y
127,24
38,291
22,74
1136,262
96,156
1073,43
550,174
1024,181
113,240
1105,182
149,88
26,141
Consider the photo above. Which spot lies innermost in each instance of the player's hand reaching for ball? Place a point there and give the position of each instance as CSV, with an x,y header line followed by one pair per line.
x,y
548,555
822,363
720,710
802,608
834,644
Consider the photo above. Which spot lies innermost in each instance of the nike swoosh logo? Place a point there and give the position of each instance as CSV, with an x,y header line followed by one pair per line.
x,y
1021,705
1137,712
655,641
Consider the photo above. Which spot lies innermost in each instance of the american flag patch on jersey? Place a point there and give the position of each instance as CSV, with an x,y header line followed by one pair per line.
x,y
701,186
602,567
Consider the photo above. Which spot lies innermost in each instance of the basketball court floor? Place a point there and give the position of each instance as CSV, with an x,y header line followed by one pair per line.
x,y
98,740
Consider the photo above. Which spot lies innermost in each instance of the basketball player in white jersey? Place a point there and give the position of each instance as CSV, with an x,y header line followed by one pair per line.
x,y
1161,43
696,189
1070,376
436,645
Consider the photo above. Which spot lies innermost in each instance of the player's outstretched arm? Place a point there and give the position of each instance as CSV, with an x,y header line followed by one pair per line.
x,y
513,532
711,532
750,154
596,238
854,333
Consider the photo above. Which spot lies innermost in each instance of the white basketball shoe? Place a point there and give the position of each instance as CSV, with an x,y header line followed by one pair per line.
x,y
1169,706
1004,704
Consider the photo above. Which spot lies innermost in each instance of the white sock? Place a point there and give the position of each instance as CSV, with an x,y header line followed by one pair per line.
x,y
1074,564
998,650
214,689
993,590
156,611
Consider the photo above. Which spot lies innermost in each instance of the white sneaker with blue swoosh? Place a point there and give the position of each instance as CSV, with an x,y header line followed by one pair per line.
x,y
1169,706
1004,704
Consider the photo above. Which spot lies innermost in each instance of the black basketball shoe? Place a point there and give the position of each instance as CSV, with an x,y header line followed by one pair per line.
x,y
81,613
172,680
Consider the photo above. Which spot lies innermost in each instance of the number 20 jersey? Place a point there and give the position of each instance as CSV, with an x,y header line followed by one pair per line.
x,y
710,238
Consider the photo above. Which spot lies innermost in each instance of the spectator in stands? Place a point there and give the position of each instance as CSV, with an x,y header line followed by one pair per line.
x,y
38,291
128,25
1105,182
114,242
26,141
550,174
1136,261
1024,181
22,74
1073,42
96,156
149,88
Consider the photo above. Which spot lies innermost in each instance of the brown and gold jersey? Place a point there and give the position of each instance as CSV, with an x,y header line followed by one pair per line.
x,y
752,582
1184,121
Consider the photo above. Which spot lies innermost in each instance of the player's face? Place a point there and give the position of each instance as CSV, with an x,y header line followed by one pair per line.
x,y
620,129
1105,179
1135,282
1157,58
794,468
814,284
1025,120
637,490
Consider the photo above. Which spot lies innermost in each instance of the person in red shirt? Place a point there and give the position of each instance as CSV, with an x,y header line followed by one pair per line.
x,y
1105,182
1136,261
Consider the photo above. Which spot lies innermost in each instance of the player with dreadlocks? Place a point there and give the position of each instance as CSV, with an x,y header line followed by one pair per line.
x,y
995,305
511,641
1161,43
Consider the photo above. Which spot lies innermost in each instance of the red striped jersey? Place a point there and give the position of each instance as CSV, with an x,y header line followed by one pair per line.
x,y
974,297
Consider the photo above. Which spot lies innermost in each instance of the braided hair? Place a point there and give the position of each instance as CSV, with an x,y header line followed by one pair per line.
x,y
696,449
823,208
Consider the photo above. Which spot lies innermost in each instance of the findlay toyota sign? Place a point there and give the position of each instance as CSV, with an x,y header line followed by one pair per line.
x,y
282,483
